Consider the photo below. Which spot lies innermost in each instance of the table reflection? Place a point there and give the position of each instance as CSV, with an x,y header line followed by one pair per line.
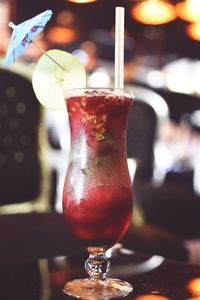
x,y
44,279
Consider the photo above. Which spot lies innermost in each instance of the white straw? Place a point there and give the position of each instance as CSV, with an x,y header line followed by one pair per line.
x,y
119,47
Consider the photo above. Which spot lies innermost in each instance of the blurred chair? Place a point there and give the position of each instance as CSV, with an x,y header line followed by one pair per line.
x,y
170,202
58,132
29,228
147,114
23,178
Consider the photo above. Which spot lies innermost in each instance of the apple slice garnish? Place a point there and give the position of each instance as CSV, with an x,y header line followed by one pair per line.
x,y
53,74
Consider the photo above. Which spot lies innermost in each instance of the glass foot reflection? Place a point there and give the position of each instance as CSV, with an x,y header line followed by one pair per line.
x,y
93,289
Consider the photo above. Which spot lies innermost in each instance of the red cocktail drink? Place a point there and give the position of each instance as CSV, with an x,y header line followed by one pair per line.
x,y
103,217
97,197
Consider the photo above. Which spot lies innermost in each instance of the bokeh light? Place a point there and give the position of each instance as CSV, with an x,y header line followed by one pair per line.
x,y
61,35
153,12
82,1
151,297
194,286
188,10
193,30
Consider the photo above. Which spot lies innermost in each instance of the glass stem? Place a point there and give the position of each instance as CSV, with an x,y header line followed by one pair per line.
x,y
97,265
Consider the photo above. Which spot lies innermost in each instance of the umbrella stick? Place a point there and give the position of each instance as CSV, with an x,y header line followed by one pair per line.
x,y
44,52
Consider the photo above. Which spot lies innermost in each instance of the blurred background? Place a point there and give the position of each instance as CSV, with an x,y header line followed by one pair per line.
x,y
160,46
162,64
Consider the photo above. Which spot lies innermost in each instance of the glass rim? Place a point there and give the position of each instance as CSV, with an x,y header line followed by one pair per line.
x,y
92,91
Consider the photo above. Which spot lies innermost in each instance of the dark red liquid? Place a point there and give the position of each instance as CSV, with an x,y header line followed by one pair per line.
x,y
102,216
97,198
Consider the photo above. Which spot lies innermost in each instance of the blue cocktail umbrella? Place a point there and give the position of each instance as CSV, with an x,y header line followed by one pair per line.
x,y
23,34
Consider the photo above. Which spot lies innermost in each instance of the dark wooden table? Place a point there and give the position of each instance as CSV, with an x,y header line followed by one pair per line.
x,y
152,277
38,256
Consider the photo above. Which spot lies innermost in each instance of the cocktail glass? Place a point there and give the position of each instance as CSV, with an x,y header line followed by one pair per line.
x,y
97,196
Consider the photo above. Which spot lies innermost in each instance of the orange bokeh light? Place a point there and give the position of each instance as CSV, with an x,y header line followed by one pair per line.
x,y
153,12
189,10
194,286
82,1
61,35
151,297
193,31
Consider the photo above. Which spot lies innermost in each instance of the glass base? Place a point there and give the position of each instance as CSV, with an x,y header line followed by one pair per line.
x,y
94,289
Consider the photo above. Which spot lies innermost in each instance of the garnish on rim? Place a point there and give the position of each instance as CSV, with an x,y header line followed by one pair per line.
x,y
50,80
